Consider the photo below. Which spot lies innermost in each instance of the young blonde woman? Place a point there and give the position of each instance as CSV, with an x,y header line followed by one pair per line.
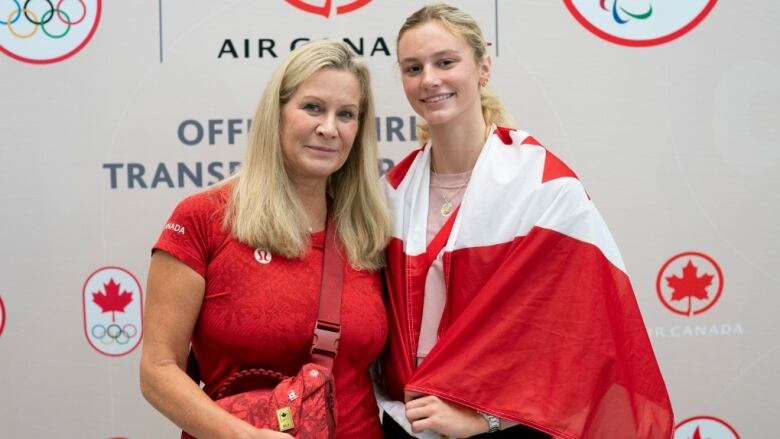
x,y
511,314
240,276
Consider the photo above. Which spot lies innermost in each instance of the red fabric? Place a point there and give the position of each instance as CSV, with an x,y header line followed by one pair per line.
x,y
263,315
308,397
396,174
541,329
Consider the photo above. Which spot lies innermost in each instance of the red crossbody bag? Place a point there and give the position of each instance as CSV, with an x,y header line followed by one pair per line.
x,y
303,405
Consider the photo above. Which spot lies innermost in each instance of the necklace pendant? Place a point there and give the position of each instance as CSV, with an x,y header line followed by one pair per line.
x,y
446,208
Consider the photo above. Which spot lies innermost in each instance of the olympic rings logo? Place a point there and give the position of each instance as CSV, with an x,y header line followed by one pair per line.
x,y
45,18
114,333
46,31
113,316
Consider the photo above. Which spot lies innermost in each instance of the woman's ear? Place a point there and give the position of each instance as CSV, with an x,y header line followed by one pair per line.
x,y
484,70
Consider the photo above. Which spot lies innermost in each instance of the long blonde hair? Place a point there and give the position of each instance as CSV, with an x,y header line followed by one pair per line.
x,y
264,209
463,25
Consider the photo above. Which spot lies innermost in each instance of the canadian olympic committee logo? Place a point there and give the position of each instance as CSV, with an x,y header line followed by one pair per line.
x,y
689,283
639,22
112,302
704,427
2,316
326,9
47,31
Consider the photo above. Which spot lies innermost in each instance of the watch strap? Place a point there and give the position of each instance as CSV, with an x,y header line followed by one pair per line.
x,y
494,424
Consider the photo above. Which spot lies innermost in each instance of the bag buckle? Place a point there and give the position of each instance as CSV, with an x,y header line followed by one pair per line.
x,y
326,339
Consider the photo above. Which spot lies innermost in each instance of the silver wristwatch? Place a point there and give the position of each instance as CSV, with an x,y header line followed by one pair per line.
x,y
494,423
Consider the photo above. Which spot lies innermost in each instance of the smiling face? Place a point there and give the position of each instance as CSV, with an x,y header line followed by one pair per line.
x,y
440,75
319,124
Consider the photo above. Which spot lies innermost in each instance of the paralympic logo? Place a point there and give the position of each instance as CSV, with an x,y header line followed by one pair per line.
x,y
616,11
644,23
325,10
44,32
112,301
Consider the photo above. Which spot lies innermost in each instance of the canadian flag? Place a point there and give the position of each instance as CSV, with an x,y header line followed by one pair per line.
x,y
541,325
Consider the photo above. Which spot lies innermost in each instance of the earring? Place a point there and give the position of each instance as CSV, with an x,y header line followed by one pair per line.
x,y
483,83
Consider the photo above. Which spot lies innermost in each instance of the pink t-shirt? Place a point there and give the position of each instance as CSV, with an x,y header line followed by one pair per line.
x,y
443,188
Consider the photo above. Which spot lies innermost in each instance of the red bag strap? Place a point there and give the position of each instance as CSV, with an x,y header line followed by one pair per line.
x,y
327,331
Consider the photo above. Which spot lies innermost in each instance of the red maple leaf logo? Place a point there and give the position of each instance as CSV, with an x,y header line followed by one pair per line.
x,y
325,9
696,434
112,300
690,285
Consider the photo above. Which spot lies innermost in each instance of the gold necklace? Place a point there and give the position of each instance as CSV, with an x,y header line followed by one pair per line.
x,y
448,207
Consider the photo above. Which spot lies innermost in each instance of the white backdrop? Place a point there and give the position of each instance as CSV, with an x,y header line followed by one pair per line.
x,y
676,137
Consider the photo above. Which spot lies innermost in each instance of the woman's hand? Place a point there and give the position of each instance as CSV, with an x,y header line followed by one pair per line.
x,y
428,412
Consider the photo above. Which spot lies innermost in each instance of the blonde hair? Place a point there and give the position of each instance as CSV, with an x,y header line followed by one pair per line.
x,y
264,209
461,24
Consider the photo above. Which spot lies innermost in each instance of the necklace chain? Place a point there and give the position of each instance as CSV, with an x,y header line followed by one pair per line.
x,y
447,207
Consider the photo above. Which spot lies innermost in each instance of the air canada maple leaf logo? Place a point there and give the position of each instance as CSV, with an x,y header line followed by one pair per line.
x,y
112,301
326,8
704,427
689,283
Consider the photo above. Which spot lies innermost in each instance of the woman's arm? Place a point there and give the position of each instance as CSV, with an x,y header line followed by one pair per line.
x,y
173,300
428,412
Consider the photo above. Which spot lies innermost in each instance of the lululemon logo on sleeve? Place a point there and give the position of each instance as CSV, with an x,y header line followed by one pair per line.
x,y
639,22
47,31
262,256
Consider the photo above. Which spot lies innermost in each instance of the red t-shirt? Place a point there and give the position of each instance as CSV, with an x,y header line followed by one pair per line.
x,y
259,310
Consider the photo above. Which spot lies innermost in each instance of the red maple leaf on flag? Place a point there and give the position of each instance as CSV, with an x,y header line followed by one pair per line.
x,y
112,300
690,285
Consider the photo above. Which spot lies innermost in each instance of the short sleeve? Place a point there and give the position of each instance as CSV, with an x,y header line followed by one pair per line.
x,y
187,235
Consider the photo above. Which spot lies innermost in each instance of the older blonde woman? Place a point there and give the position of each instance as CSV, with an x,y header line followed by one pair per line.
x,y
240,278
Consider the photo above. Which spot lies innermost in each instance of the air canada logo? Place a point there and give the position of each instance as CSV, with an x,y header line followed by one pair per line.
x,y
704,427
46,31
326,9
639,22
2,316
112,301
689,283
